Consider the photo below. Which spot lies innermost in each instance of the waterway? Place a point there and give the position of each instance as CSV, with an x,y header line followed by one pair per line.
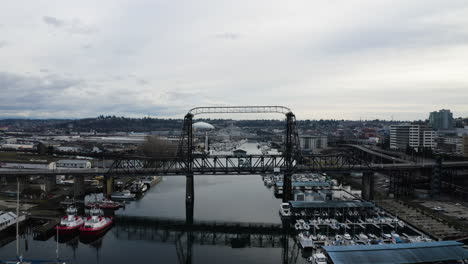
x,y
217,198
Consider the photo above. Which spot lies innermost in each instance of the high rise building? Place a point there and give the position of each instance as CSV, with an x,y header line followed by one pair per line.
x,y
415,136
441,120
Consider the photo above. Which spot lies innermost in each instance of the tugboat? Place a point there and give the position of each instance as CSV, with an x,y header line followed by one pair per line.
x,y
95,223
71,222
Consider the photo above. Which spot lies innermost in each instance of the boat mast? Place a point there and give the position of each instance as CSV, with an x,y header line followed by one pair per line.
x,y
17,218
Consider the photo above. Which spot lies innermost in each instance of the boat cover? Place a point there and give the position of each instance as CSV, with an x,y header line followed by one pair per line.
x,y
331,204
398,253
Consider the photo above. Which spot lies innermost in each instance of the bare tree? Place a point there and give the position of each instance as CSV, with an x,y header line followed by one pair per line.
x,y
156,147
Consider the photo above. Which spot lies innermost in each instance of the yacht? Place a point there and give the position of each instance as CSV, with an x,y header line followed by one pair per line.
x,y
123,195
149,181
95,223
285,210
9,219
318,258
71,222
104,204
138,187
306,240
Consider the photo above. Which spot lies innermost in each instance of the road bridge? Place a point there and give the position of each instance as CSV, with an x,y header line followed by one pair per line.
x,y
188,164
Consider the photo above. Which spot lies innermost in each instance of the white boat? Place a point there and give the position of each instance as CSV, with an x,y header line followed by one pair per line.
x,y
318,258
285,210
123,195
9,219
151,180
306,240
362,237
137,187
347,236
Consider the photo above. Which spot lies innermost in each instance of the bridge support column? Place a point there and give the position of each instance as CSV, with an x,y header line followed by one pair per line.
x,y
23,183
189,198
368,185
49,183
3,180
287,187
79,186
108,185
436,178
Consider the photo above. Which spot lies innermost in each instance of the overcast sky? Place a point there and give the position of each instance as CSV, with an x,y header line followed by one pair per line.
x,y
323,59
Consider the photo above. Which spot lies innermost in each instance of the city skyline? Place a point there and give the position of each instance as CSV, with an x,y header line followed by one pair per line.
x,y
335,60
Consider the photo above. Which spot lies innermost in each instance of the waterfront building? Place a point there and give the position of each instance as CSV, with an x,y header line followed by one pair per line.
x,y
441,120
415,136
74,164
313,142
37,164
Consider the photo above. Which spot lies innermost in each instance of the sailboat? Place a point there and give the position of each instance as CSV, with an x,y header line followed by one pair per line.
x,y
19,258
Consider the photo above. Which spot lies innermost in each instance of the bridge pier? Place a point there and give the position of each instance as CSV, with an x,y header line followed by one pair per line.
x,y
50,182
189,198
436,178
108,185
79,186
23,183
368,185
287,187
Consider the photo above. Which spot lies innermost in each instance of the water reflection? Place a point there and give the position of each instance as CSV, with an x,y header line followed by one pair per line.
x,y
239,201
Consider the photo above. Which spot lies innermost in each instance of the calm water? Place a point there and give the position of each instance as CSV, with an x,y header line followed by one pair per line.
x,y
217,198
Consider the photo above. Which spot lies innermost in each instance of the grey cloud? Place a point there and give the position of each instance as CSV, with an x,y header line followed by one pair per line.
x,y
3,43
74,26
43,70
227,36
23,92
143,82
53,21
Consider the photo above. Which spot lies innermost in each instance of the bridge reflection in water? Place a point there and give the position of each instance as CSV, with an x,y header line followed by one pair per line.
x,y
185,233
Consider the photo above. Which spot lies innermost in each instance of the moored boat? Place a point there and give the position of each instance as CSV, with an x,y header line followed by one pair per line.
x,y
71,222
123,195
95,223
138,187
104,204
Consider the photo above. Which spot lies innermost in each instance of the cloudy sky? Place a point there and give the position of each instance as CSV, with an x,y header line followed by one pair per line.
x,y
323,59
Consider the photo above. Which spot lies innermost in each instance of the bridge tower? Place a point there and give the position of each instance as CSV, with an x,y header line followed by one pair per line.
x,y
290,151
185,151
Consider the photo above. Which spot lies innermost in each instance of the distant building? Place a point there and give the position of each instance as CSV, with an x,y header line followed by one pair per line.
x,y
415,136
40,165
17,146
239,153
74,164
465,145
441,120
313,143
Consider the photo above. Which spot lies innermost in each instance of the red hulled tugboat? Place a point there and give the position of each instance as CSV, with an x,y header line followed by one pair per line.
x,y
95,223
71,222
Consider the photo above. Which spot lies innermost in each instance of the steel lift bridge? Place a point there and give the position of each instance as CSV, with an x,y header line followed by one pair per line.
x,y
189,164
